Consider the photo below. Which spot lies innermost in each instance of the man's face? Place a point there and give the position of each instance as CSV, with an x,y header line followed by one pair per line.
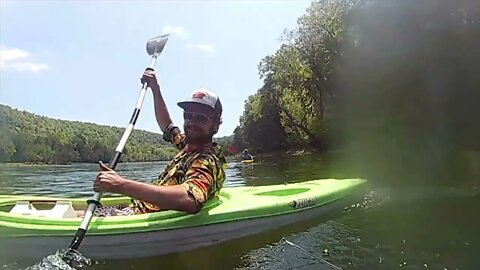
x,y
199,123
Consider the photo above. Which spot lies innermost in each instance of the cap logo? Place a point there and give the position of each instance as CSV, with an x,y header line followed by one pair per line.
x,y
199,95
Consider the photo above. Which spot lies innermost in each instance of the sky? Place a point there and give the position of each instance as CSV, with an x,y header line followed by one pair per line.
x,y
82,60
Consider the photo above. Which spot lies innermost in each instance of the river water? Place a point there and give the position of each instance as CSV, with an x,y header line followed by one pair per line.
x,y
393,227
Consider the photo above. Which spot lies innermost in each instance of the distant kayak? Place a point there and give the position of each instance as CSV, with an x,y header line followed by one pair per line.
x,y
34,226
247,161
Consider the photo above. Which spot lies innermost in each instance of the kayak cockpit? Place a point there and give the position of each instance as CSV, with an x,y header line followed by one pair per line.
x,y
61,209
67,208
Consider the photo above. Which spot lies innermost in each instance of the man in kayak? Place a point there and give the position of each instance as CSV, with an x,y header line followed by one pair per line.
x,y
195,175
246,156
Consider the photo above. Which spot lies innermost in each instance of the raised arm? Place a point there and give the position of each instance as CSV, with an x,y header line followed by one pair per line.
x,y
170,132
161,112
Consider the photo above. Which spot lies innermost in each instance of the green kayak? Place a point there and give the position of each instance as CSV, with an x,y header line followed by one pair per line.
x,y
37,226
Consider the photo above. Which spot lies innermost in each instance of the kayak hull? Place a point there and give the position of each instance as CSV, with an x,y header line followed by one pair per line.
x,y
162,242
230,217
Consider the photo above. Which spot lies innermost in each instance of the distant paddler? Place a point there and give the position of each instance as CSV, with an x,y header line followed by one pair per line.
x,y
246,157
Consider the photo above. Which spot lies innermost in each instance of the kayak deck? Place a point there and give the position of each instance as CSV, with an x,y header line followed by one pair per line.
x,y
234,203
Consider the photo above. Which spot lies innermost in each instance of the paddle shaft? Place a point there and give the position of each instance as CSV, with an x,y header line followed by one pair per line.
x,y
94,202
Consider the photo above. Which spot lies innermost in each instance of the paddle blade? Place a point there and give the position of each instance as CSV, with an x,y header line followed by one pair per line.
x,y
155,45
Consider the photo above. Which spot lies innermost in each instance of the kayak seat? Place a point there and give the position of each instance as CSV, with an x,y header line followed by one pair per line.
x,y
62,209
23,208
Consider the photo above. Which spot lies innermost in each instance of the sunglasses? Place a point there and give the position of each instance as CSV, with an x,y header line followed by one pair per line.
x,y
196,117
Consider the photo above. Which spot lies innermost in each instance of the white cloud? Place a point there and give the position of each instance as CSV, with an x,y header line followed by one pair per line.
x,y
180,32
176,30
7,54
19,60
201,47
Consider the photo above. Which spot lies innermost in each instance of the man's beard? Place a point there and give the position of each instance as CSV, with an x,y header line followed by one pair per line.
x,y
197,137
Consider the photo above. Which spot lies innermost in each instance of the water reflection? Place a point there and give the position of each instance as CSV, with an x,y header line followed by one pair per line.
x,y
76,180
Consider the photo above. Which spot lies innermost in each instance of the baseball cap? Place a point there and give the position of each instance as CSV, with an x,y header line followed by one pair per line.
x,y
205,97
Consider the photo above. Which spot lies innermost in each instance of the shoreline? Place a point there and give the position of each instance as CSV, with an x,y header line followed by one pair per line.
x,y
39,164
291,152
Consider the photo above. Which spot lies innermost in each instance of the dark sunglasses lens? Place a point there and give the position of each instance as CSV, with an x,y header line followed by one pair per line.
x,y
200,118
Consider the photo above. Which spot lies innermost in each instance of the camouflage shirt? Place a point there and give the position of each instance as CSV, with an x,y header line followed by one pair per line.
x,y
201,171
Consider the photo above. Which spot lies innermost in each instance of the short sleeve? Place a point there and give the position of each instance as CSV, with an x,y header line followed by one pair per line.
x,y
175,137
204,178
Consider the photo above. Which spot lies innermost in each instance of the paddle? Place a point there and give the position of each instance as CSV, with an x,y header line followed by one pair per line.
x,y
154,48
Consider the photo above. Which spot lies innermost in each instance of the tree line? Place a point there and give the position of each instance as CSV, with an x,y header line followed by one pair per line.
x,y
353,69
27,137
394,84
294,107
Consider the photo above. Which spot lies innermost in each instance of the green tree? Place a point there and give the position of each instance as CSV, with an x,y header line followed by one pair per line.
x,y
26,137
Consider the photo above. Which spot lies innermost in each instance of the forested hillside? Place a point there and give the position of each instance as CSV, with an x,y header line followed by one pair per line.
x,y
26,137
295,106
354,69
